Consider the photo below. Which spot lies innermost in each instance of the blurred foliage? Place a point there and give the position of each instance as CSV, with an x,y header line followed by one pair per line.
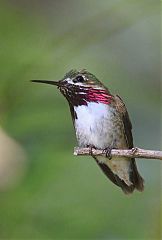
x,y
61,196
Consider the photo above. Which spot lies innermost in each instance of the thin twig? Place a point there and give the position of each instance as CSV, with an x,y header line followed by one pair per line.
x,y
134,152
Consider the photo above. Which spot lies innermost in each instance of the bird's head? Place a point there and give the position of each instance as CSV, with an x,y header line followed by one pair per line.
x,y
80,87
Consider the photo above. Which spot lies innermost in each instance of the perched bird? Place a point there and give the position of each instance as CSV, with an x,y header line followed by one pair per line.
x,y
101,121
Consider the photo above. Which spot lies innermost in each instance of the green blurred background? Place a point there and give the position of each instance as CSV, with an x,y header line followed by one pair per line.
x,y
45,191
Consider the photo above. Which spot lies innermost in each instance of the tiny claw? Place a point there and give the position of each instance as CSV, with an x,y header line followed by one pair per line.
x,y
134,150
90,150
108,152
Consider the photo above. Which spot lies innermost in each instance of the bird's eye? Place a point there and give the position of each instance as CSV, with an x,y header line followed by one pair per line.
x,y
79,79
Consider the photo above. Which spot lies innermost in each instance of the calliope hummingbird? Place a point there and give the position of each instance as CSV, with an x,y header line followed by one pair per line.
x,y
101,121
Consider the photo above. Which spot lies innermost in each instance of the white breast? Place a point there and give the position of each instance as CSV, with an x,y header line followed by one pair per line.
x,y
94,125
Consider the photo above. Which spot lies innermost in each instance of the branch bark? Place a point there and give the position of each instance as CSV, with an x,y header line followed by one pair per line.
x,y
134,152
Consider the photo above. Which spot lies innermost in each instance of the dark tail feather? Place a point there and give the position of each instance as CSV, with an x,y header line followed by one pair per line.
x,y
135,178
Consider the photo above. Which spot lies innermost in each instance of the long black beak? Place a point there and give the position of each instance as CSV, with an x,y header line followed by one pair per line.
x,y
56,83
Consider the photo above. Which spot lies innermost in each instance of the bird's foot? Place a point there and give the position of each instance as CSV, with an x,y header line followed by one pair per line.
x,y
90,149
108,152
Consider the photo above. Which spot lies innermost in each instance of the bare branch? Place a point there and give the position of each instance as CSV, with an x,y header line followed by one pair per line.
x,y
134,152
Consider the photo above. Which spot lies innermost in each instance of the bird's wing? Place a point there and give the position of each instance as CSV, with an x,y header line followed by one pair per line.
x,y
134,176
121,108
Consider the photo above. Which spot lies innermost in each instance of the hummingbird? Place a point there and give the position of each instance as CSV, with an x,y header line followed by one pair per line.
x,y
101,121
